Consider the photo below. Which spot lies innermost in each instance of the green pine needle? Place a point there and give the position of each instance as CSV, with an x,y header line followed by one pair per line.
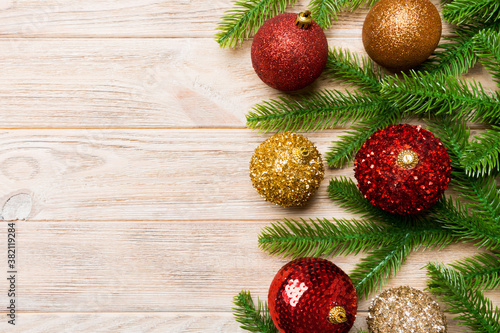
x,y
291,238
344,150
467,226
467,11
487,48
375,270
245,18
318,110
455,55
252,319
426,94
346,193
472,308
349,67
482,155
483,269
325,11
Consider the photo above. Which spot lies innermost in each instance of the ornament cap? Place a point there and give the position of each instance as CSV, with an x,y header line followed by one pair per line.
x,y
337,315
407,159
304,20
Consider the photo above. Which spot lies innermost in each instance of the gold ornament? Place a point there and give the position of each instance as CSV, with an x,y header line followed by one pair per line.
x,y
286,169
337,315
401,34
407,159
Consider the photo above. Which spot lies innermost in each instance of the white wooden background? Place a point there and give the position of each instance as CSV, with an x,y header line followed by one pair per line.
x,y
124,152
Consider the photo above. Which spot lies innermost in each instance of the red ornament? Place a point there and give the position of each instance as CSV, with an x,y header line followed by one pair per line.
x,y
289,51
312,295
402,169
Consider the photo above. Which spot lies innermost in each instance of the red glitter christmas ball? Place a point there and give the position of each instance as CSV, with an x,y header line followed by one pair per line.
x,y
312,295
402,169
289,51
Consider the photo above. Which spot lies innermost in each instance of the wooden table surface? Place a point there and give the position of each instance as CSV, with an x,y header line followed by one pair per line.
x,y
124,159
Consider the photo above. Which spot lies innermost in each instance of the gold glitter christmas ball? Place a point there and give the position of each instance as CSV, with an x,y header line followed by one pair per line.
x,y
286,169
405,309
401,34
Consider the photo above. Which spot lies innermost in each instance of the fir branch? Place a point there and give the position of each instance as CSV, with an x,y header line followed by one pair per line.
x,y
374,270
472,307
487,48
252,319
467,11
427,94
482,269
321,237
455,55
349,67
467,226
315,111
481,194
482,155
454,134
245,18
344,191
344,150
325,11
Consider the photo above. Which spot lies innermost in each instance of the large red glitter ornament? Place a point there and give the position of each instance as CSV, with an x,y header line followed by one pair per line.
x,y
402,169
289,51
312,295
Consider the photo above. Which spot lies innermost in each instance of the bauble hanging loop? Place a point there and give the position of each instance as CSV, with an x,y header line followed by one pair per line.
x,y
337,315
304,19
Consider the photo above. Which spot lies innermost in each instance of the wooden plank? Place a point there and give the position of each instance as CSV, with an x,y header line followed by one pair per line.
x,y
147,322
144,268
178,175
129,18
136,83
144,175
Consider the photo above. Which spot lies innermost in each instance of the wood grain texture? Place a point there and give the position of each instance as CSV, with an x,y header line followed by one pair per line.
x,y
129,18
198,267
124,152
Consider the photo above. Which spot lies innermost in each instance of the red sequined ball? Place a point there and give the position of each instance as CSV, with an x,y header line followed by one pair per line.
x,y
287,57
312,295
402,169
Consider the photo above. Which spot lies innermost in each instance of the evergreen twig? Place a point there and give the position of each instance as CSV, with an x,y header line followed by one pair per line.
x,y
483,269
252,319
473,308
467,11
291,238
426,94
349,67
487,47
325,11
345,148
482,155
315,111
245,18
455,55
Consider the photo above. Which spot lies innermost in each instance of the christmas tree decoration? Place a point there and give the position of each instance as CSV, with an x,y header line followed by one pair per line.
x,y
402,169
286,169
401,34
405,309
312,295
289,51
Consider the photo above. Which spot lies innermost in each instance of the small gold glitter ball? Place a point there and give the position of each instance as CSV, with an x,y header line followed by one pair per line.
x,y
286,169
401,34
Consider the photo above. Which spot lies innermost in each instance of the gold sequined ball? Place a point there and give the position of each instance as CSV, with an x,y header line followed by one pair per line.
x,y
286,169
